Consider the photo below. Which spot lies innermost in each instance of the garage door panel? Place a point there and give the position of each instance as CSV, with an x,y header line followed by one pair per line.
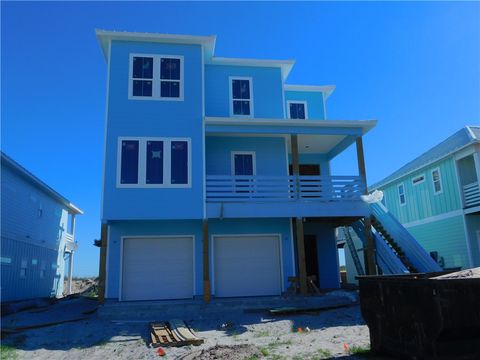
x,y
157,268
247,266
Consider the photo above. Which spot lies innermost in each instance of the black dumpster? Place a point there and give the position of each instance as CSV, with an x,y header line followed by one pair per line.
x,y
418,317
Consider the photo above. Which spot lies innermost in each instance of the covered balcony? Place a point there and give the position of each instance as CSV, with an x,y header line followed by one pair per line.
x,y
290,192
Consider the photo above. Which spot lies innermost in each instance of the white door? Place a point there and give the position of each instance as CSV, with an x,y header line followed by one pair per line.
x,y
247,266
157,268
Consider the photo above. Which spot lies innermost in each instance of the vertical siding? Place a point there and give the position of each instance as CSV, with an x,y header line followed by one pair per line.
x,y
28,234
446,236
473,228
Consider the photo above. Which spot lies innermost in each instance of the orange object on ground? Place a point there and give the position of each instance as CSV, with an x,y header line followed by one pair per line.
x,y
345,347
160,352
299,329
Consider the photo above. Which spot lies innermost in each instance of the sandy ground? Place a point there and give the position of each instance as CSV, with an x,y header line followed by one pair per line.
x,y
80,285
229,333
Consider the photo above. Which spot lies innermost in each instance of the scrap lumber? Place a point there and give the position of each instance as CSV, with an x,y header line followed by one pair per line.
x,y
302,310
173,333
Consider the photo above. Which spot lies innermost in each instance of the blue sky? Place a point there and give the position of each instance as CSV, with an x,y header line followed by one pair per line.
x,y
413,66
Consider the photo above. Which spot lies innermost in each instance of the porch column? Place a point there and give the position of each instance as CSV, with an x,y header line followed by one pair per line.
x,y
103,263
369,251
70,272
302,268
206,263
73,225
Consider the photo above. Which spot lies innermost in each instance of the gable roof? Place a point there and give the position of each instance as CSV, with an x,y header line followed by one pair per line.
x,y
462,138
28,176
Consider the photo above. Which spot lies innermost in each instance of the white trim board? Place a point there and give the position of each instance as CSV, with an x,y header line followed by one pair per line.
x,y
434,218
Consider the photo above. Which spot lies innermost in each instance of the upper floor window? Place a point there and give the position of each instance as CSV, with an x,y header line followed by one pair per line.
x,y
401,194
154,162
297,109
241,96
418,180
156,77
437,181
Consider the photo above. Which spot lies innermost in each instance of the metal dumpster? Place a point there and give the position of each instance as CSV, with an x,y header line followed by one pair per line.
x,y
417,317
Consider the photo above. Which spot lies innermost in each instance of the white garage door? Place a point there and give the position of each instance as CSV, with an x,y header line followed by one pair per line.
x,y
157,268
247,266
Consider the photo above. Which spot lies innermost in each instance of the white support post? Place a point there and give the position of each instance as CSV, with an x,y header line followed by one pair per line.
x,y
70,272
73,224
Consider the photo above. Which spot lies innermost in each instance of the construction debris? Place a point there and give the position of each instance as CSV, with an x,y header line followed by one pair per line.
x,y
173,333
307,310
464,274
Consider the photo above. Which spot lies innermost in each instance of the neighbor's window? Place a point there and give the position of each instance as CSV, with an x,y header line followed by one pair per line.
x,y
23,268
297,110
241,96
156,77
154,162
418,180
401,194
437,181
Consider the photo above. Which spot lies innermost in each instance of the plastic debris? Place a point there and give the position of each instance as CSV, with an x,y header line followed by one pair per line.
x,y
160,352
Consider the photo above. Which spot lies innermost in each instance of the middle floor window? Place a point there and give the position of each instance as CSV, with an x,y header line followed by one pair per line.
x,y
241,98
154,162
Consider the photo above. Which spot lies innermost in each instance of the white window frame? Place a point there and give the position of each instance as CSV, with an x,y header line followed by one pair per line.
x,y
404,194
439,180
230,90
297,102
142,162
156,80
418,182
254,160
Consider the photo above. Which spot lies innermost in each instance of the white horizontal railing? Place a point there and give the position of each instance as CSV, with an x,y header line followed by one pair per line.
x,y
471,194
244,188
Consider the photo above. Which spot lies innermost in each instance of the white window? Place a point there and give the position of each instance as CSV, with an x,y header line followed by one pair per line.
x,y
401,194
437,181
6,260
157,77
241,96
418,180
154,162
297,109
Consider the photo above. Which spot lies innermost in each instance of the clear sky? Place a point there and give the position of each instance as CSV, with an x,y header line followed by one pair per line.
x,y
413,66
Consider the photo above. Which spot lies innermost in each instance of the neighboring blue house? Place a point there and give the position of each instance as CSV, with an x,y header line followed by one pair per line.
x,y
437,198
37,227
217,173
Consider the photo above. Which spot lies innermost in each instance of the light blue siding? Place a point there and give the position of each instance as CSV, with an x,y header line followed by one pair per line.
x,y
154,118
314,99
265,81
120,229
270,154
32,228
473,228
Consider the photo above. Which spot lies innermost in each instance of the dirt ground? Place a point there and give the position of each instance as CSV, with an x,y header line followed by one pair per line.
x,y
229,333
81,285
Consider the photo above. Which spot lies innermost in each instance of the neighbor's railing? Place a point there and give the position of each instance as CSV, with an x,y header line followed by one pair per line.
x,y
471,194
244,188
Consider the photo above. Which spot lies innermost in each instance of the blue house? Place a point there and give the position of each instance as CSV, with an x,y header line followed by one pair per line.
x,y
436,196
38,236
217,176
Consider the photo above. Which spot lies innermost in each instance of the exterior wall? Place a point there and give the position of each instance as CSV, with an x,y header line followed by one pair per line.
x,y
32,228
266,84
270,154
154,118
447,236
349,264
117,229
314,99
473,228
328,263
421,201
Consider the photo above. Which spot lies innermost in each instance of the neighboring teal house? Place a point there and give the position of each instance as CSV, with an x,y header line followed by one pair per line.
x,y
38,236
437,198
217,174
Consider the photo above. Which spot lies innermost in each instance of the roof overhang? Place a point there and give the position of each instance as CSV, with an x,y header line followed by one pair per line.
x,y
327,90
28,176
284,65
105,36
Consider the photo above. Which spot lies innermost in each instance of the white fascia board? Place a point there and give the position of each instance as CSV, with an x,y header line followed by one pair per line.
x,y
326,89
366,125
284,65
104,36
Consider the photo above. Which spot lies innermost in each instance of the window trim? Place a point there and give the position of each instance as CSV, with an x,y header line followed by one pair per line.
x,y
232,161
230,92
297,102
404,194
142,162
439,180
418,182
156,80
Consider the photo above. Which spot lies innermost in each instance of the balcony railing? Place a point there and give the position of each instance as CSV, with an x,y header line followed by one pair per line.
x,y
239,188
471,194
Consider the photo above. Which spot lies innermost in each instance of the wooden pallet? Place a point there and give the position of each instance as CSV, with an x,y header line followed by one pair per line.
x,y
173,333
